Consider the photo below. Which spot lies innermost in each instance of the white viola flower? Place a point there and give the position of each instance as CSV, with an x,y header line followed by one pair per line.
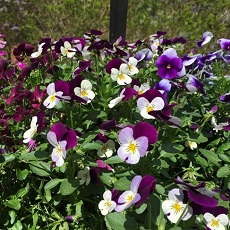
x,y
191,144
107,148
59,152
67,50
216,223
142,88
218,127
85,53
84,176
54,97
145,106
132,65
28,135
39,52
106,205
121,75
85,91
116,100
174,206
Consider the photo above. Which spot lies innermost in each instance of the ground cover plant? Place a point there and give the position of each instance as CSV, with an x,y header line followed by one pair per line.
x,y
113,135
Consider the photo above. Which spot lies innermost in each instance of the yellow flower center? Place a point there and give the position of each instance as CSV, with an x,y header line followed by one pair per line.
x,y
84,93
130,67
59,150
215,223
168,66
132,147
149,108
177,207
140,92
121,76
53,97
129,198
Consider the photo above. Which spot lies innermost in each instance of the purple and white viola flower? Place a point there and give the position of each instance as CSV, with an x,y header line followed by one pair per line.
x,y
207,36
85,91
142,88
107,148
221,126
28,135
174,206
62,139
193,84
127,198
216,222
116,100
169,64
39,52
132,65
57,91
224,44
151,100
135,141
67,50
84,176
121,75
107,204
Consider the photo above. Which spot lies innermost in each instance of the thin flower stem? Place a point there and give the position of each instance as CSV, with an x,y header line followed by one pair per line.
x,y
149,217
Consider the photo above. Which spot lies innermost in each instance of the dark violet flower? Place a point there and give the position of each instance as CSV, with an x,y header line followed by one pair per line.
x,y
193,84
135,141
224,44
146,187
62,139
82,65
23,50
115,63
225,98
169,64
109,125
199,194
207,36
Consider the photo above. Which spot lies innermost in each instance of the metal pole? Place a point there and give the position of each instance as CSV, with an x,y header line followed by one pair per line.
x,y
118,18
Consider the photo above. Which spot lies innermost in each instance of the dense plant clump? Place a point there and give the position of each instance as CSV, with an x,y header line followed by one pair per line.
x,y
114,135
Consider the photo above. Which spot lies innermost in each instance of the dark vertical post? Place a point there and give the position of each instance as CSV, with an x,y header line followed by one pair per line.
x,y
118,18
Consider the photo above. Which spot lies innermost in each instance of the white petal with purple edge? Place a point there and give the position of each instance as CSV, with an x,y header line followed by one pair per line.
x,y
170,52
157,103
126,135
176,194
50,88
52,138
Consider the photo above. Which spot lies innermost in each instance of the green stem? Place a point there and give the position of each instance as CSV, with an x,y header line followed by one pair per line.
x,y
149,217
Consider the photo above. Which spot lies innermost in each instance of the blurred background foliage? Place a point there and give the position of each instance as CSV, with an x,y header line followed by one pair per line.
x,y
30,20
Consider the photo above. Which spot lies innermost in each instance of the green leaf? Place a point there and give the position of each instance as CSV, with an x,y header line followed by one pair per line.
x,y
223,171
40,168
12,215
176,228
36,155
160,189
6,158
223,148
14,204
68,186
107,178
122,184
113,160
211,156
141,209
52,183
22,174
91,146
201,161
224,157
35,219
23,191
17,225
120,221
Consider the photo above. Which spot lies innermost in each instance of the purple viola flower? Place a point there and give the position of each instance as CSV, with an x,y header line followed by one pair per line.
x,y
146,187
135,141
225,98
82,65
62,138
169,64
199,194
224,44
127,198
207,36
144,55
193,84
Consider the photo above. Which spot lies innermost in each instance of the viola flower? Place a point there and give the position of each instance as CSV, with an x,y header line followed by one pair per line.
x,y
207,36
28,135
216,222
169,64
85,91
191,144
62,139
193,84
127,198
107,148
144,55
174,206
84,176
106,205
142,88
121,75
55,92
132,63
220,126
224,44
225,98
39,52
67,50
135,141
151,100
